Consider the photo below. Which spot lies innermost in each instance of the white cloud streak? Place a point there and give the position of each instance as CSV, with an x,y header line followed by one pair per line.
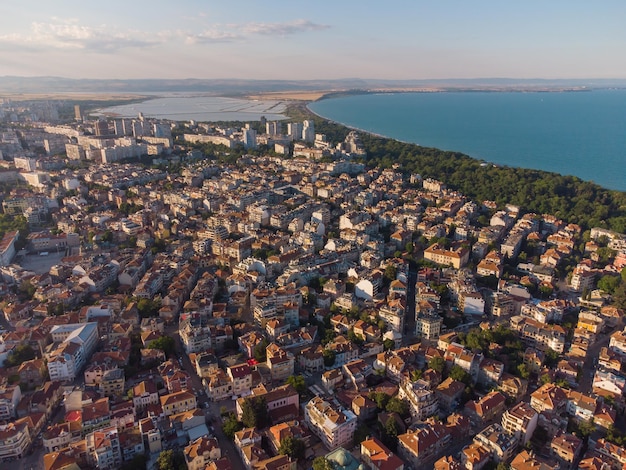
x,y
69,34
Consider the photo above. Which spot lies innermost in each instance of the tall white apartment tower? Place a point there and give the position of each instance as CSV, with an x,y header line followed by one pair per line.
x,y
294,130
308,131
249,138
273,127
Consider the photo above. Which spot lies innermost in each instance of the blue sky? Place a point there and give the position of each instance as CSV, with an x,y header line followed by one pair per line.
x,y
320,39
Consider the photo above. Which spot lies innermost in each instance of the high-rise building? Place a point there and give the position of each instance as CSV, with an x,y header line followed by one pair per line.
x,y
308,131
294,130
102,127
123,127
78,113
161,129
273,128
249,138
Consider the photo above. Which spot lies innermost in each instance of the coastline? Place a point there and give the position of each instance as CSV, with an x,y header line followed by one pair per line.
x,y
607,182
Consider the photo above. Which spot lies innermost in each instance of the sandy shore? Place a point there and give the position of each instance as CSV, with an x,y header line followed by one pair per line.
x,y
290,95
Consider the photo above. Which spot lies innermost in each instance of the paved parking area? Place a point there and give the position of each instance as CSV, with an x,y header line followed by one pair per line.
x,y
40,264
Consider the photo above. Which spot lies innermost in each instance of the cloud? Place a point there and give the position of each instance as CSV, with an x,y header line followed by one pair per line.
x,y
283,29
212,36
69,35
239,32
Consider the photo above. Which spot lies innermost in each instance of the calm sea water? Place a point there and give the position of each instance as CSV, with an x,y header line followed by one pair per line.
x,y
574,133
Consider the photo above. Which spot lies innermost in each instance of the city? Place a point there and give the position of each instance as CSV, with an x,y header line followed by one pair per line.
x,y
233,296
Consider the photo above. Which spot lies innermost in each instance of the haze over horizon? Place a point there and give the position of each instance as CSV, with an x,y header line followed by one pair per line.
x,y
396,40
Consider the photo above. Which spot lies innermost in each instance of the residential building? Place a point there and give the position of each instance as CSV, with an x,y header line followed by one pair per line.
x,y
422,400
178,402
566,447
145,394
10,397
521,421
378,457
279,362
330,422
103,449
199,453
501,445
426,442
14,440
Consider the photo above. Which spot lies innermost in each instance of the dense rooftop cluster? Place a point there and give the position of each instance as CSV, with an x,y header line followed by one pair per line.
x,y
175,310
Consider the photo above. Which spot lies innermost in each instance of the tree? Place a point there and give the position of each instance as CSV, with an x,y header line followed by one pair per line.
x,y
354,338
148,308
389,434
522,371
138,461
164,343
294,448
322,463
457,373
389,344
361,433
20,354
390,272
609,284
260,351
254,413
584,428
551,358
170,460
329,357
381,399
416,375
544,379
395,405
437,364
297,382
27,290
231,425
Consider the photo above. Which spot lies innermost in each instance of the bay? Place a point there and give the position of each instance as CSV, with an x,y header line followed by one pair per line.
x,y
579,133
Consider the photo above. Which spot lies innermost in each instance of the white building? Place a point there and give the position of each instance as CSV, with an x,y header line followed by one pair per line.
x,y
77,342
330,422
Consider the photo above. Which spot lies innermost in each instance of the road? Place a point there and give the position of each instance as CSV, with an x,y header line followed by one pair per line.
x,y
409,316
589,368
212,409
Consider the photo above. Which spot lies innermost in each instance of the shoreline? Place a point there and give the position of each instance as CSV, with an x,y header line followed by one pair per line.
x,y
481,161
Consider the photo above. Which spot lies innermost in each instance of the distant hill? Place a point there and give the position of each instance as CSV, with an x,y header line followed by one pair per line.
x,y
13,84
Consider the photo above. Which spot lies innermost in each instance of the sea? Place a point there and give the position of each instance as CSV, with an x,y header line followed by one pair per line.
x,y
580,133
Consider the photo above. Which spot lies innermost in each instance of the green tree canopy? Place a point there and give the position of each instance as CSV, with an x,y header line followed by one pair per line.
x,y
329,357
437,364
171,460
260,351
297,382
21,353
231,425
457,373
396,405
148,307
322,463
254,413
381,399
609,284
294,448
164,343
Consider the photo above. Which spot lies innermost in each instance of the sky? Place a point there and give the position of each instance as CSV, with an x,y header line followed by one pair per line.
x,y
321,39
